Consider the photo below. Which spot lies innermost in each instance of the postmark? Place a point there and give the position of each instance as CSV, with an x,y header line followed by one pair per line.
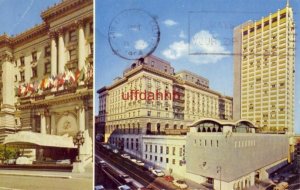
x,y
133,34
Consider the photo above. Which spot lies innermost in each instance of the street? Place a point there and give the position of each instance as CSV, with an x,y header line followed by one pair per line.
x,y
138,173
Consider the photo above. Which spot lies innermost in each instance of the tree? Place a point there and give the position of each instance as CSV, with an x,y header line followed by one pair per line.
x,y
8,152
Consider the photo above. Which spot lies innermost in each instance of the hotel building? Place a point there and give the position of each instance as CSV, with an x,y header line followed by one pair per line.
x,y
264,71
190,99
46,83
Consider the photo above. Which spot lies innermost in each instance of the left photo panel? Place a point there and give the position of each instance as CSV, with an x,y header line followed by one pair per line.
x,y
46,94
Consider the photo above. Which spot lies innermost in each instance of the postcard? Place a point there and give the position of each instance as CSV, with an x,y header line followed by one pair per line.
x,y
196,95
46,94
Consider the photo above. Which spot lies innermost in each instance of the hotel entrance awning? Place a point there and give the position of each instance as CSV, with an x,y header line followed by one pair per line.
x,y
28,139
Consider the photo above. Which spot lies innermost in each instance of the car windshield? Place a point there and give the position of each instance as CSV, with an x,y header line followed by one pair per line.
x,y
158,171
180,182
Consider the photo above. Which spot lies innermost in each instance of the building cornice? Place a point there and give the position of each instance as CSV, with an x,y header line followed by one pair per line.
x,y
175,79
30,35
64,8
5,41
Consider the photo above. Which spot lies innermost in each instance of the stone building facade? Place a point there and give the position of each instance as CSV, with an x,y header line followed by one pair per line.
x,y
47,75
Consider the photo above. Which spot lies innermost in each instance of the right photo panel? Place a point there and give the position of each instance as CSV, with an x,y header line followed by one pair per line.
x,y
197,95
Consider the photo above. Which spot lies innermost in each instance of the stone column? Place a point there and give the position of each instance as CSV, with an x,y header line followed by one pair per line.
x,y
8,80
52,121
43,124
53,54
61,51
81,49
81,118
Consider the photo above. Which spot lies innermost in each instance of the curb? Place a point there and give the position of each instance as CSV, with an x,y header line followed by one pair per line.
x,y
36,175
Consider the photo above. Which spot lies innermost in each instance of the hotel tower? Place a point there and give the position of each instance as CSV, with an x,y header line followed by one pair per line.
x,y
264,71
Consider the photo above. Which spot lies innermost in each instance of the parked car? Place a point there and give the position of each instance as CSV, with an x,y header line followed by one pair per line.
x,y
180,183
125,156
115,151
125,178
99,187
169,178
158,173
10,161
140,163
124,187
133,160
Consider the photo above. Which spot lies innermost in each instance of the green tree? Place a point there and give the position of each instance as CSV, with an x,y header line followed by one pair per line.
x,y
8,152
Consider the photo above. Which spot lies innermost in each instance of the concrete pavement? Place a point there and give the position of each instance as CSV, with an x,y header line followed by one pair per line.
x,y
46,180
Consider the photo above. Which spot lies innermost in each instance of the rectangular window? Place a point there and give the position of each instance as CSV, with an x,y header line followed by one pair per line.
x,y
92,48
155,158
73,36
91,28
155,148
73,54
149,113
150,147
146,148
47,68
161,159
161,149
173,161
22,61
150,157
34,72
34,56
47,51
22,76
167,160
173,151
167,150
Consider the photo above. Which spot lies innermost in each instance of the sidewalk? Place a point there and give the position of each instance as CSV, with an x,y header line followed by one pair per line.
x,y
50,174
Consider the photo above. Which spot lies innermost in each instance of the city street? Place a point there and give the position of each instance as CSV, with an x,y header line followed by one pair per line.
x,y
142,176
46,180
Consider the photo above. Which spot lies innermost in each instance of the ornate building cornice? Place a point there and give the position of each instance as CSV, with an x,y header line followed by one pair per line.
x,y
64,8
31,34
5,41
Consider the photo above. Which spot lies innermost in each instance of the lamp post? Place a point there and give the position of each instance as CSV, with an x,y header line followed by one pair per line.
x,y
78,140
219,170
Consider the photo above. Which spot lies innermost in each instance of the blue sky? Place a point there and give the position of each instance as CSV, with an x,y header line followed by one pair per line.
x,y
180,23
20,15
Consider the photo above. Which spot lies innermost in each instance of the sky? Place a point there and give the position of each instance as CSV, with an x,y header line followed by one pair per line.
x,y
187,27
17,16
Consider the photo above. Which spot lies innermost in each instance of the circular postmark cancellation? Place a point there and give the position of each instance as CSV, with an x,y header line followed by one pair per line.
x,y
133,34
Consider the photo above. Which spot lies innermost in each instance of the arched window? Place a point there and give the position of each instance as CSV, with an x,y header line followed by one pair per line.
x,y
158,128
148,130
133,128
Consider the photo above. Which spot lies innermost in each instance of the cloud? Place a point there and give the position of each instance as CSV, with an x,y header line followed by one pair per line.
x,y
176,50
182,34
170,22
118,34
140,45
204,48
